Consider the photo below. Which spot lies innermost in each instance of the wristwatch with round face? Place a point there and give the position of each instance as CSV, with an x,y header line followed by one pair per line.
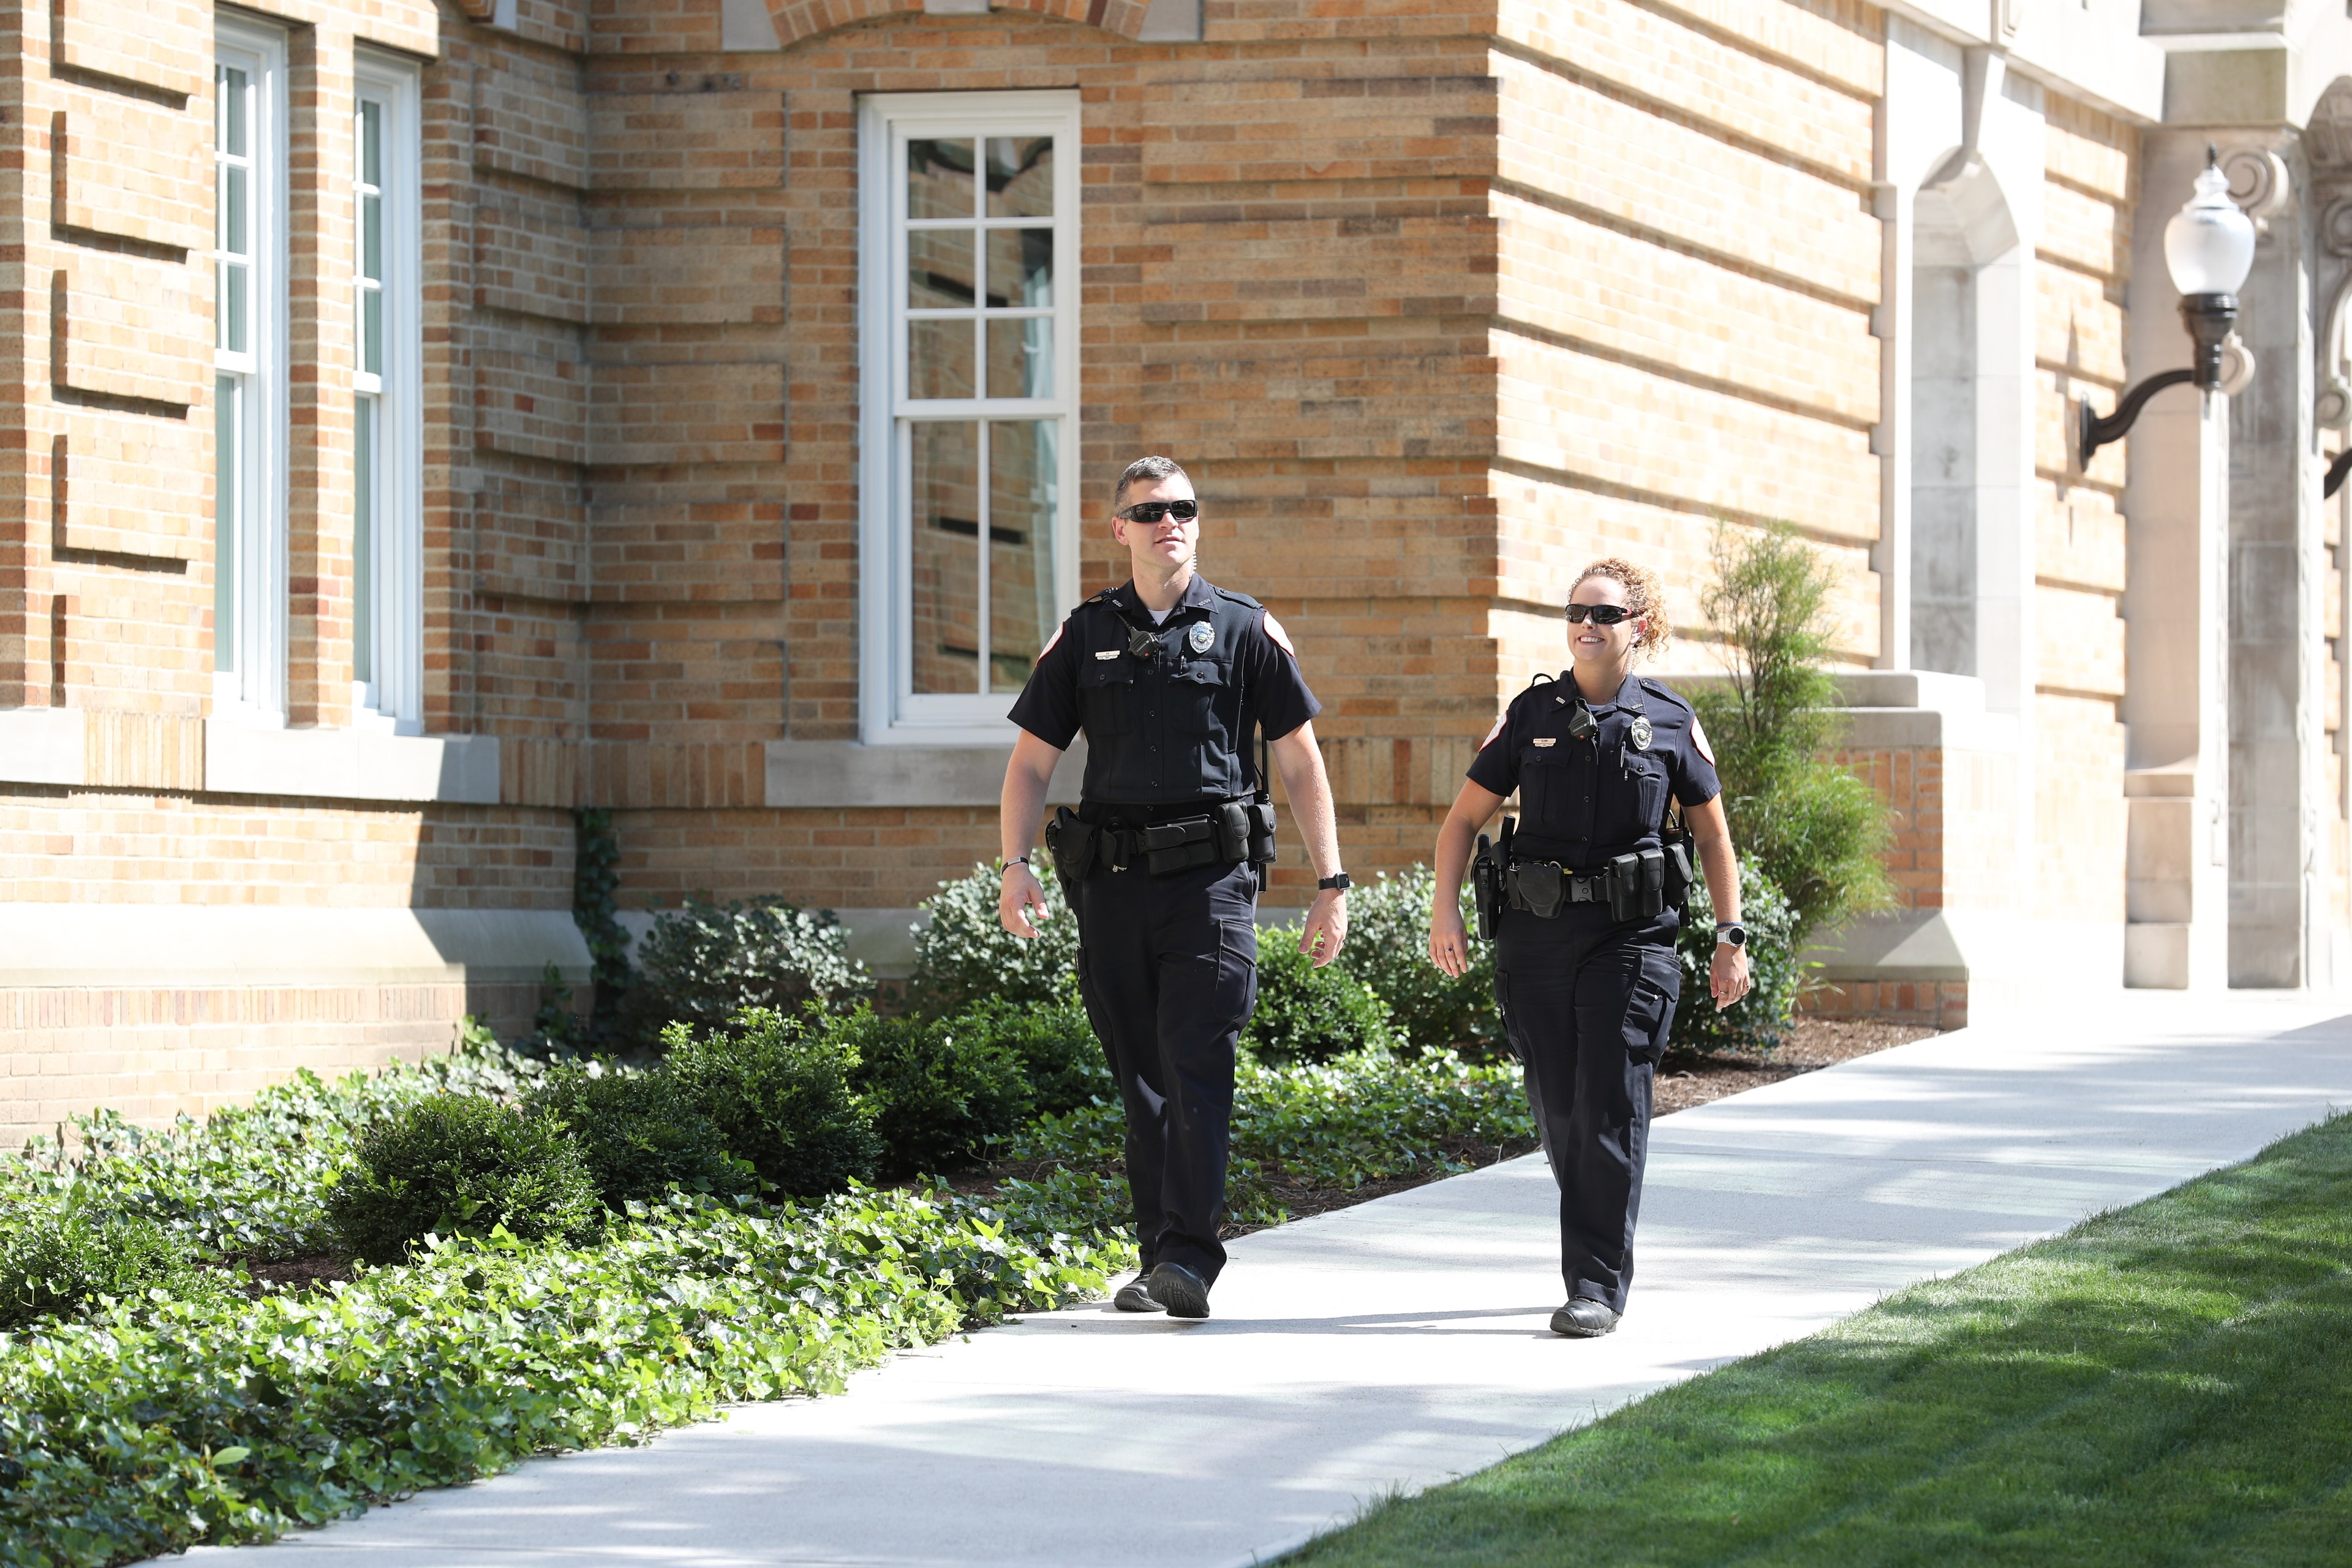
x,y
1731,932
1340,882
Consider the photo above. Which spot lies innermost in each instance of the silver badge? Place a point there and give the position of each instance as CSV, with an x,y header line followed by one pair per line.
x,y
1641,731
1200,636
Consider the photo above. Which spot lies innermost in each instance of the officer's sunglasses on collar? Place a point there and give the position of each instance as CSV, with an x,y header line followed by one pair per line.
x,y
1153,510
1600,615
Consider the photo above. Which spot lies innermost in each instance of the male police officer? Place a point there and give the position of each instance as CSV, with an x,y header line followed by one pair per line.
x,y
1168,676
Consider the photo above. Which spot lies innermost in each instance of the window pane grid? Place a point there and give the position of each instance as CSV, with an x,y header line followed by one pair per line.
x,y
973,391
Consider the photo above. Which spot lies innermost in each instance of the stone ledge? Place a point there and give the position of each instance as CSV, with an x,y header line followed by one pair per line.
x,y
350,765
813,773
54,745
185,946
42,746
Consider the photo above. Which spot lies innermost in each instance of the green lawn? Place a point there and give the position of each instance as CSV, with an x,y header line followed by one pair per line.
x,y
2171,1382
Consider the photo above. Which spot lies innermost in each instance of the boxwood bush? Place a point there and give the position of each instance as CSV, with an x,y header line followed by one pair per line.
x,y
937,1090
1760,1022
1306,1014
1063,1061
779,1091
453,1164
639,1133
965,957
1388,950
704,963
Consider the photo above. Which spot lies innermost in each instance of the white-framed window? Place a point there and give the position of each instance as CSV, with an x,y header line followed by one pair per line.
x,y
969,360
249,371
387,415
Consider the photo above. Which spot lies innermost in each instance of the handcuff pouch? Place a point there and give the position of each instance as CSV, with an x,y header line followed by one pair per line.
x,y
1542,887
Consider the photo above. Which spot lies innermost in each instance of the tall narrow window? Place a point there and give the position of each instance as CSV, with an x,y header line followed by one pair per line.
x,y
249,371
387,350
970,247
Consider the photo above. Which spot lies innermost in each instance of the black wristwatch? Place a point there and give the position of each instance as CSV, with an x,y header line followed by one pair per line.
x,y
1731,931
1340,883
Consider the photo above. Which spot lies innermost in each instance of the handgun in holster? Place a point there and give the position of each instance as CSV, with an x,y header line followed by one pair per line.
x,y
1676,835
1485,886
1070,840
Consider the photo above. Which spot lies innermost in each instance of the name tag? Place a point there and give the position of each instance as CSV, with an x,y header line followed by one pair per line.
x,y
1547,739
1108,653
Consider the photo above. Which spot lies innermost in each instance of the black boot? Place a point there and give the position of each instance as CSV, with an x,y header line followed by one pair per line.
x,y
1184,1293
1583,1319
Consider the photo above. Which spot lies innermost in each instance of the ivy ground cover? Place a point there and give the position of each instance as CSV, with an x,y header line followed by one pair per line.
x,y
2168,1383
137,1425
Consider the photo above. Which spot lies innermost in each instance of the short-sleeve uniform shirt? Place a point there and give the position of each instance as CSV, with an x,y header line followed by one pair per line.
x,y
1167,710
1584,802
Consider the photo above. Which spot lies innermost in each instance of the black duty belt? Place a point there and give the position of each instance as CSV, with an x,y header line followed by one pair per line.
x,y
1163,838
1544,887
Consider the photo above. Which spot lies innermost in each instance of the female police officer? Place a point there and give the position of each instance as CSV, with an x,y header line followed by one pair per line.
x,y
1585,965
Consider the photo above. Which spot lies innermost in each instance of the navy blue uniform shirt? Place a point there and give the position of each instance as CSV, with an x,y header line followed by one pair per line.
x,y
1584,802
1174,727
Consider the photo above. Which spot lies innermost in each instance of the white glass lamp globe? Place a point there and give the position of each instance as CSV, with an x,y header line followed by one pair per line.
x,y
2208,246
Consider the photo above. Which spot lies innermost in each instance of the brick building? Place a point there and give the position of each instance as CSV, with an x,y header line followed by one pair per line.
x,y
424,421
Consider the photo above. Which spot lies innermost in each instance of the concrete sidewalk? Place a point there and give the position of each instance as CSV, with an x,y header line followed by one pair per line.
x,y
1402,1341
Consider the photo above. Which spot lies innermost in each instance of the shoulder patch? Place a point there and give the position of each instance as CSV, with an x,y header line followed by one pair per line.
x,y
1282,638
1698,739
1050,642
1492,734
1659,688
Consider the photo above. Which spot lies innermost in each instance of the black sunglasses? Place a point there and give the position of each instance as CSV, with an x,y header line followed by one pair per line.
x,y
1153,510
1600,615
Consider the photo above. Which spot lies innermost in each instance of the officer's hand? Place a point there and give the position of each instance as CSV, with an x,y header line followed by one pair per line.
x,y
1727,976
1019,894
1326,927
1449,941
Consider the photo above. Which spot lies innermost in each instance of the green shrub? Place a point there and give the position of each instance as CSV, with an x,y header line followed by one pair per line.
x,y
1817,831
703,963
964,956
57,1259
1306,1013
1388,950
779,1091
453,1165
1057,1048
639,1133
938,1089
1759,1022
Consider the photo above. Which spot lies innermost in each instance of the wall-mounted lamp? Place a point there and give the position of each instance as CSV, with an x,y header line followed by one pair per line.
x,y
2209,248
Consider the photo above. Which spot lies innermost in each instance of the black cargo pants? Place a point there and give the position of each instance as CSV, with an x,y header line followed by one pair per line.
x,y
1587,1004
1167,966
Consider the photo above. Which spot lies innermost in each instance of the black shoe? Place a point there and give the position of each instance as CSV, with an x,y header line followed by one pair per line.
x,y
1135,1296
1583,1319
1184,1293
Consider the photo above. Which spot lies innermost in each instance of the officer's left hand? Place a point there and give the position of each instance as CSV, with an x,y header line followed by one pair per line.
x,y
1727,976
1326,926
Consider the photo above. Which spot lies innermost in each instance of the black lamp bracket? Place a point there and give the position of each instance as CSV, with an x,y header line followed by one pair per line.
x,y
2209,318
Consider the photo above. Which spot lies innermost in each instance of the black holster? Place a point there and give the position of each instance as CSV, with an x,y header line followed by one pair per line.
x,y
1486,888
1070,841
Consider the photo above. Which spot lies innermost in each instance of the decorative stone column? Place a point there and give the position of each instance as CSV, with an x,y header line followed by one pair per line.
x,y
2176,605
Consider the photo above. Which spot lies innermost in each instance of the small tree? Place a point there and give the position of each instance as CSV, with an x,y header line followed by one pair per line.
x,y
1811,825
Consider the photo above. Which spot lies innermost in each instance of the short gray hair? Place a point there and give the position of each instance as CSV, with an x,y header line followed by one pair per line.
x,y
1154,468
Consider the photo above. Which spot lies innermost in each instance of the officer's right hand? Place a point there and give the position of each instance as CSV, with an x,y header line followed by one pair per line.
x,y
1019,894
1449,941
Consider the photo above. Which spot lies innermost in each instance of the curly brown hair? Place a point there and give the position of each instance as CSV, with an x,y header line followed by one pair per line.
x,y
1643,596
